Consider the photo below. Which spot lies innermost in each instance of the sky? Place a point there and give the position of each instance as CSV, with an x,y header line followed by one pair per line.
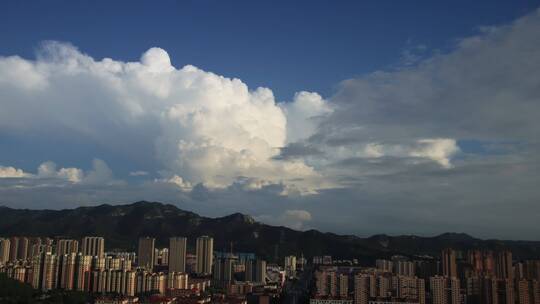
x,y
352,117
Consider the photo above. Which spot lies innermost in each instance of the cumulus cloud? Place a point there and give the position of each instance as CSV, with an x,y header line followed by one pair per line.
x,y
21,74
304,114
421,111
177,181
48,170
401,146
99,174
195,124
437,149
202,126
11,172
295,219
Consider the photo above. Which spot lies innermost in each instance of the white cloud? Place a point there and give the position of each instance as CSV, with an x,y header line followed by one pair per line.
x,y
138,173
22,74
439,150
204,127
295,219
419,113
389,143
48,170
177,181
300,215
374,150
11,172
304,115
100,174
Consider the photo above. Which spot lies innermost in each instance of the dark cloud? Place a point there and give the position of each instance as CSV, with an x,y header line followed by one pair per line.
x,y
297,150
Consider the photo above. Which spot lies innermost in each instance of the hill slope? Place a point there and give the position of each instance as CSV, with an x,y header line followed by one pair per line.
x,y
121,225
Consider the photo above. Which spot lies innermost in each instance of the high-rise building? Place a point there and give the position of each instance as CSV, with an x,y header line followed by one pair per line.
x,y
505,291
519,271
523,293
383,284
384,265
301,262
362,284
46,246
325,282
260,271
93,246
113,282
205,254
475,259
22,251
19,248
223,271
228,270
66,271
45,271
473,289
438,287
98,263
145,253
448,260
112,263
343,285
504,268
65,246
177,254
177,280
161,256
489,293
13,249
404,268
488,263
34,247
382,287
532,269
445,290
290,265
4,250
528,292
409,288
249,270
18,272
83,264
129,289
217,271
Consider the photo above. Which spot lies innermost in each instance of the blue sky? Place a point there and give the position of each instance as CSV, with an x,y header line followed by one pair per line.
x,y
287,46
334,115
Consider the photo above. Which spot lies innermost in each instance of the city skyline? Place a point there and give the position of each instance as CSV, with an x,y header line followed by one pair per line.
x,y
355,118
269,152
476,276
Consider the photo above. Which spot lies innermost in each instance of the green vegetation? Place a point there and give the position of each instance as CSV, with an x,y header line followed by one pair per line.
x,y
12,291
15,292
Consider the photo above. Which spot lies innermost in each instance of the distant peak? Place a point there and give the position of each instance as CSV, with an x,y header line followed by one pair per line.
x,y
147,203
239,217
455,236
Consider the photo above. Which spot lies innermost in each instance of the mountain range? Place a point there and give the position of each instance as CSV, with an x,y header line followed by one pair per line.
x,y
122,225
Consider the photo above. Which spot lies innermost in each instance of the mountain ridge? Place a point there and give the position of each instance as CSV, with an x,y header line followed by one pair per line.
x,y
122,224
